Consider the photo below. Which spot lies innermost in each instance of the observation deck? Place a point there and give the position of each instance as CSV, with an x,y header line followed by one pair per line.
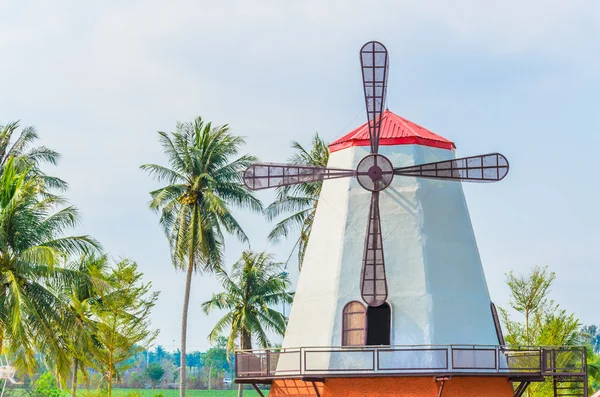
x,y
566,365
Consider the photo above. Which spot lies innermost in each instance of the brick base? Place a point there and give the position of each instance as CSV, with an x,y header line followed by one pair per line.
x,y
398,386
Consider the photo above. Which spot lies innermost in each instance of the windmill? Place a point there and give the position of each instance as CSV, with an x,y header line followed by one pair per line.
x,y
375,172
392,230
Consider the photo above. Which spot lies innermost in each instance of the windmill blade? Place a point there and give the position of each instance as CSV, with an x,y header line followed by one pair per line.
x,y
267,175
491,167
373,284
374,65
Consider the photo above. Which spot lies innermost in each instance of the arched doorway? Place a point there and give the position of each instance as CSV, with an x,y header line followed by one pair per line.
x,y
378,325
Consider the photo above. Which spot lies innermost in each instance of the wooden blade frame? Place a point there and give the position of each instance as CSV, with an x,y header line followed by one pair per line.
x,y
268,175
373,284
374,65
491,167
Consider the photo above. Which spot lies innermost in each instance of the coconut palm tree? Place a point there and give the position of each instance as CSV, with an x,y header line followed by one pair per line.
x,y
202,183
254,285
33,250
79,299
24,156
299,202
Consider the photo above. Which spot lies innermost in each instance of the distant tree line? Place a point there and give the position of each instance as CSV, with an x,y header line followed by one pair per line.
x,y
159,368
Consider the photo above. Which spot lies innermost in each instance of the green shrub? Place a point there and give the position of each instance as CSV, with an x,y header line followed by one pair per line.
x,y
45,386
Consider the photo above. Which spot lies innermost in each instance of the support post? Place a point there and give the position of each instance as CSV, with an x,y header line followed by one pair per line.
x,y
258,390
521,388
316,389
442,379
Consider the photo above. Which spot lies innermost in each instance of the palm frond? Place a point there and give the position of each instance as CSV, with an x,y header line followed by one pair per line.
x,y
220,327
288,204
163,174
285,227
300,200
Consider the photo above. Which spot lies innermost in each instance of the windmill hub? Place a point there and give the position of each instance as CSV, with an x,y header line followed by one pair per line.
x,y
375,172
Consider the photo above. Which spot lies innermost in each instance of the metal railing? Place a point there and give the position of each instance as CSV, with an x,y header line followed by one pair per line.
x,y
410,360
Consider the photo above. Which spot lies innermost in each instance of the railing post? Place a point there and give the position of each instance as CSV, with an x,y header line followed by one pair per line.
x,y
543,360
268,362
237,365
497,358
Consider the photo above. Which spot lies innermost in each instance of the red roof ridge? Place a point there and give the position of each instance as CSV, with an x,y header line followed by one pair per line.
x,y
395,130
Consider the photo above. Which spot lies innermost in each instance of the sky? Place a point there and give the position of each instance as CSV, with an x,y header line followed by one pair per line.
x,y
99,79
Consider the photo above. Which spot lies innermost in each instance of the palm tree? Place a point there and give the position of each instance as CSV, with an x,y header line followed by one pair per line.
x,y
19,149
299,200
33,250
79,300
159,353
255,284
201,184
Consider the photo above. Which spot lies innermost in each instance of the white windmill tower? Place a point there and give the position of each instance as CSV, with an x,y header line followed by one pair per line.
x,y
392,290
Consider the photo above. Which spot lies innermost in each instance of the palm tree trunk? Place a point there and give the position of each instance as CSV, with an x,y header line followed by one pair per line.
x,y
186,304
109,386
74,377
245,344
209,375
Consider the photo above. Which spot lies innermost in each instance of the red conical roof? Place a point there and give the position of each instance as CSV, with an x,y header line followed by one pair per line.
x,y
395,130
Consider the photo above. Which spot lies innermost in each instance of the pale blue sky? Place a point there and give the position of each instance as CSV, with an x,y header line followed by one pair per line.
x,y
520,77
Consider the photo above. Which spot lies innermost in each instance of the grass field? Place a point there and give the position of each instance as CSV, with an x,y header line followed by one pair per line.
x,y
166,393
188,393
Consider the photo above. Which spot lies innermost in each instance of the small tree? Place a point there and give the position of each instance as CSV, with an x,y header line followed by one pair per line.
x,y
529,294
154,372
124,326
542,323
